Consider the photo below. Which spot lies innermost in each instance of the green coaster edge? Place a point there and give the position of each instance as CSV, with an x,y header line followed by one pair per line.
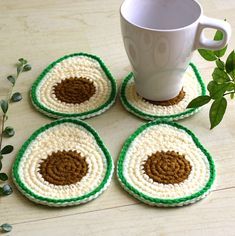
x,y
70,201
157,201
54,114
129,107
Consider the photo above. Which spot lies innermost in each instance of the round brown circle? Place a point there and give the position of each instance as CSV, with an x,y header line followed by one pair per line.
x,y
169,102
74,90
63,168
167,167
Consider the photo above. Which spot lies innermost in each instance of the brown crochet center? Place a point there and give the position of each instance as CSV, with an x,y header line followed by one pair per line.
x,y
169,102
167,167
63,168
74,90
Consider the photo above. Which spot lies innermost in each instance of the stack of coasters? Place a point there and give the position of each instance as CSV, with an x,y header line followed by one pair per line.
x,y
77,85
164,164
63,163
173,109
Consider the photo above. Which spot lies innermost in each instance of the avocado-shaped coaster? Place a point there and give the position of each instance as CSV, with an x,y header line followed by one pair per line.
x,y
173,109
63,163
164,164
76,85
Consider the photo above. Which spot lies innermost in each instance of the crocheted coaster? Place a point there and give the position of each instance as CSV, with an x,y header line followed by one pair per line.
x,y
63,163
164,164
173,109
76,85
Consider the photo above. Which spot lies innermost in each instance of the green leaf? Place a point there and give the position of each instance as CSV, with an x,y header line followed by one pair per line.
x,y
3,176
231,87
0,164
217,111
6,228
221,52
22,66
7,149
9,131
230,64
4,106
12,79
7,189
217,90
220,76
16,97
220,64
1,157
207,54
219,36
27,67
232,95
22,61
199,101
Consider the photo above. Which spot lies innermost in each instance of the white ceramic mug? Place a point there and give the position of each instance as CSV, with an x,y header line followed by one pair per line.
x,y
160,37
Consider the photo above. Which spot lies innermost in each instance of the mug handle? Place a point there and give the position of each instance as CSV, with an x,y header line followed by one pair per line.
x,y
204,42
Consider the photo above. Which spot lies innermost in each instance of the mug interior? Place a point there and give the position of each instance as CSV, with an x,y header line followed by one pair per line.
x,y
161,14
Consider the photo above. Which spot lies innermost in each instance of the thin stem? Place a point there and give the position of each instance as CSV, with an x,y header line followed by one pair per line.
x,y
21,70
5,114
11,89
9,94
230,77
2,129
228,93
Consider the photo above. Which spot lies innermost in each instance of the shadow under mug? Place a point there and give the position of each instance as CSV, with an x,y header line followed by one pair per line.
x,y
160,37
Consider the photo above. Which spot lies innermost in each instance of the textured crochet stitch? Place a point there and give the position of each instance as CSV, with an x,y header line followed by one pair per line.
x,y
63,163
77,85
193,86
164,164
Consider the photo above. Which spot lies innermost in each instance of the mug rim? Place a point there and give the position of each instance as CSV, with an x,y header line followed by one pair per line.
x,y
160,30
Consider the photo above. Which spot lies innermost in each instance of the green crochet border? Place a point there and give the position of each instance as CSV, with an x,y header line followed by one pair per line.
x,y
140,195
21,152
144,115
83,115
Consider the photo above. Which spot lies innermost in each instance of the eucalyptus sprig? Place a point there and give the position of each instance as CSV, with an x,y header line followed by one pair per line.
x,y
222,84
8,131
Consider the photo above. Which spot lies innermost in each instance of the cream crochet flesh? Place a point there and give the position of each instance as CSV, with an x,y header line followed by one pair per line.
x,y
74,66
164,137
193,86
65,136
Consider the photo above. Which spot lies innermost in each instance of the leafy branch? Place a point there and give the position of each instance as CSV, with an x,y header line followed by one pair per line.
x,y
6,189
8,131
222,84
